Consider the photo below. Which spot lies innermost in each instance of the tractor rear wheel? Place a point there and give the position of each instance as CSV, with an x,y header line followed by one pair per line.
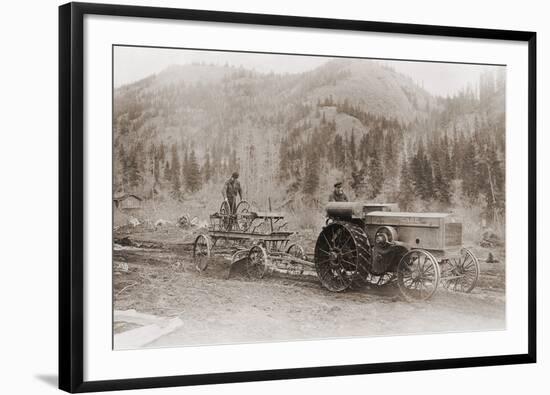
x,y
342,254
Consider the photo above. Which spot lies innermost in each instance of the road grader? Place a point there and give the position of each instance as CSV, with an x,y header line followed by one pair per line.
x,y
361,244
257,238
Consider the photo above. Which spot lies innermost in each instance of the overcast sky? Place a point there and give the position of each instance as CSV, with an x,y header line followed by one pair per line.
x,y
135,63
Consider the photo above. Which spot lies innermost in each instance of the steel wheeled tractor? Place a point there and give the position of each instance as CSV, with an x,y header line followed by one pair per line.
x,y
374,244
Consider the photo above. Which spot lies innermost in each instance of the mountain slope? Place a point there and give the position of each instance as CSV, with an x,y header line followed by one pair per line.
x,y
280,131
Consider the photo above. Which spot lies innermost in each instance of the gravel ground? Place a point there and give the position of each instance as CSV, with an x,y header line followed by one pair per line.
x,y
162,280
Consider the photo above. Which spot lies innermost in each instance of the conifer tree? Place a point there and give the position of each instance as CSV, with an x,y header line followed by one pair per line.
x,y
339,153
358,178
375,176
406,193
390,160
156,169
175,170
311,179
139,154
134,175
429,179
207,168
417,172
185,167
363,149
283,161
352,148
441,185
162,153
152,162
167,172
193,176
123,160
449,170
470,171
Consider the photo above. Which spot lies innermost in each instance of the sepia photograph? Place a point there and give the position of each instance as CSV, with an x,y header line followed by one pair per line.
x,y
264,197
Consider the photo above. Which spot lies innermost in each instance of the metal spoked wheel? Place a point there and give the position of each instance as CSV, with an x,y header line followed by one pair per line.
x,y
461,273
201,252
418,275
296,250
257,262
342,252
225,214
243,216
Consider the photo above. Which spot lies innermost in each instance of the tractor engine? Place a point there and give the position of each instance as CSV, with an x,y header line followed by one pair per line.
x,y
386,251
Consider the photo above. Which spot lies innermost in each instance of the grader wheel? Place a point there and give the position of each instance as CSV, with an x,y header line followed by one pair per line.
x,y
256,265
296,250
461,273
342,252
226,217
201,252
242,213
418,275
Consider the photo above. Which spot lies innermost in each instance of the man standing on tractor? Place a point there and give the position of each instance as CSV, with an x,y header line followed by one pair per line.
x,y
231,188
338,194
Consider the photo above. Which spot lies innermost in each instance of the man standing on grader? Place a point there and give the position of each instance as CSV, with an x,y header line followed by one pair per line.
x,y
232,188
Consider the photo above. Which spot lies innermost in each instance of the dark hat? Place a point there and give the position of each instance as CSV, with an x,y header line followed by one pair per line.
x,y
235,174
338,184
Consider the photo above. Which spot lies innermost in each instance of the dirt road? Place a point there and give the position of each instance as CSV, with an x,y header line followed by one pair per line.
x,y
216,310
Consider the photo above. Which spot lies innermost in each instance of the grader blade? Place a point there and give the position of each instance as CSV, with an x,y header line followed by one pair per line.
x,y
237,265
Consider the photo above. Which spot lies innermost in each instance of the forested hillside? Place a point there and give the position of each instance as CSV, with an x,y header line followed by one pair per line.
x,y
179,134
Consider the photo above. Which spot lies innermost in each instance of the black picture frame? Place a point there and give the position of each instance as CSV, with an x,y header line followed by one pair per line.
x,y
71,197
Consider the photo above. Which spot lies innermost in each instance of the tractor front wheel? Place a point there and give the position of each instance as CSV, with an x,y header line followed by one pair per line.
x,y
418,275
460,273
